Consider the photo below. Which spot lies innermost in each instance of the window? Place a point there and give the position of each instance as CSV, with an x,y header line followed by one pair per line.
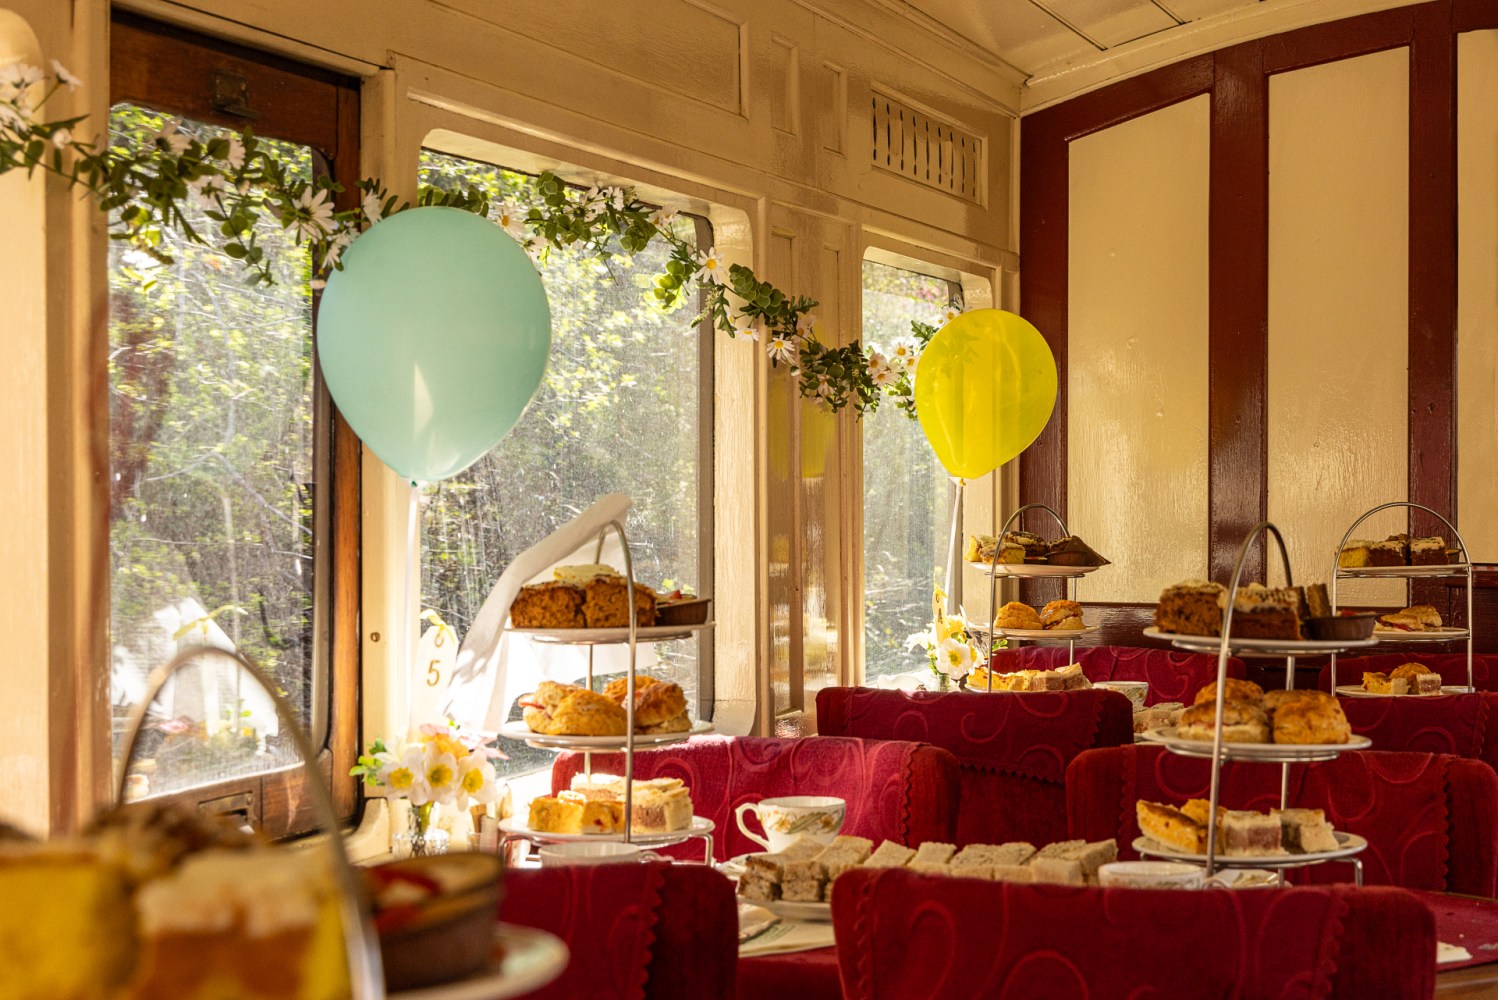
x,y
626,406
223,450
907,496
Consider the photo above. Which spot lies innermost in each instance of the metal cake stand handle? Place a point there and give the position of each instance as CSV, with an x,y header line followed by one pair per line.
x,y
365,974
993,581
1222,673
1466,564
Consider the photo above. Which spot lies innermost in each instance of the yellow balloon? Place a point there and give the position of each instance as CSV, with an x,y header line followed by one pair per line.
x,y
984,388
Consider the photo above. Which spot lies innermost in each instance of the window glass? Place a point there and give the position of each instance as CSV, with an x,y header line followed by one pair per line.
x,y
906,493
211,407
622,409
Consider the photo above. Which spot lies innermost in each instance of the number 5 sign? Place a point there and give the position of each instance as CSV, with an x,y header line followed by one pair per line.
x,y
436,654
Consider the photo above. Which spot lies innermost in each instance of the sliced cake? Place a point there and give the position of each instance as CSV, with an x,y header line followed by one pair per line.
x,y
1305,831
1249,834
1418,678
890,855
1190,608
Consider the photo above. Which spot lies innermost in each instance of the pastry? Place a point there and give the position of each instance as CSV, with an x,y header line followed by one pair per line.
x,y
761,878
551,604
1415,618
1067,678
555,815
1165,713
1035,547
1261,612
1242,722
656,701
1170,827
1305,831
1249,834
1381,683
1418,678
803,881
434,915
930,867
1017,615
1314,718
1355,554
985,872
607,604
1237,690
890,855
1318,603
1061,615
984,549
1072,551
933,852
1014,853
1392,552
1280,696
616,688
1198,809
1429,551
1072,862
1190,608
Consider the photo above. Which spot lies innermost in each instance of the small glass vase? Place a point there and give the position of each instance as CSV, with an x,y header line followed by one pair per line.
x,y
420,838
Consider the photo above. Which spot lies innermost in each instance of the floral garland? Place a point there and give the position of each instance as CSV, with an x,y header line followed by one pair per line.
x,y
237,181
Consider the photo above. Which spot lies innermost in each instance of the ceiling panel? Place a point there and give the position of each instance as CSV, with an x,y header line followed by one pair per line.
x,y
1111,22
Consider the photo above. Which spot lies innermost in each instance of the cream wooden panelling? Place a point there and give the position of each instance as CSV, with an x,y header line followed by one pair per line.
x,y
1112,22
785,84
1477,292
1137,348
1338,306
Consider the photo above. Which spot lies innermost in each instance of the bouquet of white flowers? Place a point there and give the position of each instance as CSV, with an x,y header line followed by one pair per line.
x,y
952,651
442,765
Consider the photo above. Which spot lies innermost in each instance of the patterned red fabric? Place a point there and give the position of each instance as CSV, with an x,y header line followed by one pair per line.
x,y
1172,675
1462,920
1451,666
1455,724
1097,944
1431,820
802,975
1013,749
649,931
905,792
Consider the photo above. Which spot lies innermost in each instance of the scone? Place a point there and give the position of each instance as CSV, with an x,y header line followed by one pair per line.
x,y
1018,615
1061,615
1238,690
617,687
657,704
1311,720
581,713
1242,722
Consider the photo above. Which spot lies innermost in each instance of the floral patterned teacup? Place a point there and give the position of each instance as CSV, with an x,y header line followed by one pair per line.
x,y
819,817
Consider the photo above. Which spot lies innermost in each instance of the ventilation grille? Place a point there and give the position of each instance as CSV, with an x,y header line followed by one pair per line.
x,y
913,144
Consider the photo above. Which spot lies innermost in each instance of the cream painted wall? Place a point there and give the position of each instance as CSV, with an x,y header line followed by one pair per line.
x,y
1477,292
756,111
1137,328
1338,308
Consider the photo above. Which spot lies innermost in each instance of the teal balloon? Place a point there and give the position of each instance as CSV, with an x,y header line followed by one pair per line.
x,y
433,339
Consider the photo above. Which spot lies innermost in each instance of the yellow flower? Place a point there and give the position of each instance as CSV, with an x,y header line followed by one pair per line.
x,y
401,778
439,775
443,743
473,781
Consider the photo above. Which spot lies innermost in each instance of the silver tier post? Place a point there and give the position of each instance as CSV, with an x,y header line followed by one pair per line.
x,y
365,974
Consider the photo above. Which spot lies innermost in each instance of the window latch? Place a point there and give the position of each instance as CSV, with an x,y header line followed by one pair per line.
x,y
239,807
231,95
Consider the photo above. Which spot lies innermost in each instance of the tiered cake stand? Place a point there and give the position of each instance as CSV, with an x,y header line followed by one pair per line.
x,y
1349,845
1030,571
701,828
1458,570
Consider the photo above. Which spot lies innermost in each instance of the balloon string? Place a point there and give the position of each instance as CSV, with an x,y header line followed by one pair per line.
x,y
411,614
952,540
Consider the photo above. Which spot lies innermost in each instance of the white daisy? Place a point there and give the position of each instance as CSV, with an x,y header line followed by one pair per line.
x,y
902,355
15,120
312,215
662,218
16,79
883,377
339,243
616,197
745,325
372,207
954,658
825,388
512,219
782,350
62,138
171,139
64,77
711,266
949,315
805,322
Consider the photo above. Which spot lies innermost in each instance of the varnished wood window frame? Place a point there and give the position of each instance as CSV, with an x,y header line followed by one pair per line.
x,y
170,69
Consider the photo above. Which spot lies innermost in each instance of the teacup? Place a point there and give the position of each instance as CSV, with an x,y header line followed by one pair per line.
x,y
606,852
1136,691
1150,875
819,817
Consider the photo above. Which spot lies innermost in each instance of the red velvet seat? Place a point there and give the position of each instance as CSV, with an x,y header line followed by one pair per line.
x,y
1456,724
1431,820
1451,666
904,936
1172,675
1013,749
649,931
905,792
